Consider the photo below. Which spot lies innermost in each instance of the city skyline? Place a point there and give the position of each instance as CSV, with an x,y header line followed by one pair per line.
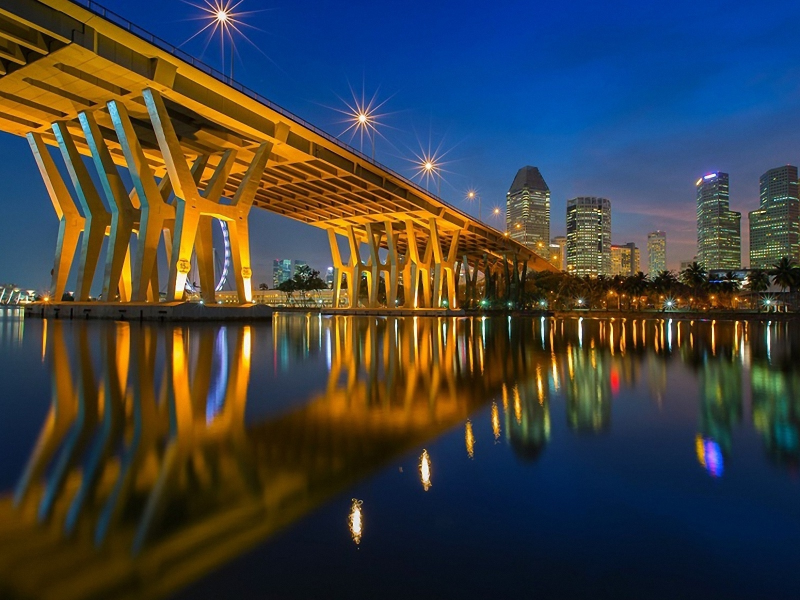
x,y
660,122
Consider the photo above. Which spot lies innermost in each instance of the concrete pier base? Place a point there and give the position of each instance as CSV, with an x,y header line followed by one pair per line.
x,y
164,311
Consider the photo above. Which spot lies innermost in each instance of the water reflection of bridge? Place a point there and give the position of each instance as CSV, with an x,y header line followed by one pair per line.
x,y
147,473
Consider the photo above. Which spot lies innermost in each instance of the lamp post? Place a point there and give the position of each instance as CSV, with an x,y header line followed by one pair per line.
x,y
471,195
430,169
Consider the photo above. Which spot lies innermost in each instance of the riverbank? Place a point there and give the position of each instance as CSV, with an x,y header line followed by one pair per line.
x,y
164,311
698,315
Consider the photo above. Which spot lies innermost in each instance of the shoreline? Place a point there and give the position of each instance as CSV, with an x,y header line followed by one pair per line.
x,y
196,312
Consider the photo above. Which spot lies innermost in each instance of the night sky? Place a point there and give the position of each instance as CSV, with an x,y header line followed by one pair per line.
x,y
628,100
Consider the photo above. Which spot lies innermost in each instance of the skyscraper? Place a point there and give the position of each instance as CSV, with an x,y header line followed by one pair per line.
x,y
719,242
281,271
558,252
589,236
656,252
775,226
624,259
528,210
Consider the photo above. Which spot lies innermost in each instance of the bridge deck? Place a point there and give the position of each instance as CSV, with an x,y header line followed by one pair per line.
x,y
58,58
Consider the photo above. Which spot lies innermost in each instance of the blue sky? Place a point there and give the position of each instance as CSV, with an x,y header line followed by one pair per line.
x,y
628,100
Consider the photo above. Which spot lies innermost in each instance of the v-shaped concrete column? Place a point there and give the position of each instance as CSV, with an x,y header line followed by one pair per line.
x,y
156,213
420,269
340,270
125,214
71,222
191,204
97,217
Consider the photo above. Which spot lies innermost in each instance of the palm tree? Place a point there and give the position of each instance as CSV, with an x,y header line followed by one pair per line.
x,y
784,274
758,280
757,283
636,285
729,286
696,277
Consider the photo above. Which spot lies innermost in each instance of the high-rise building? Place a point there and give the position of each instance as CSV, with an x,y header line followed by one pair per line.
x,y
775,226
281,271
329,277
624,259
719,242
656,252
558,252
589,236
528,210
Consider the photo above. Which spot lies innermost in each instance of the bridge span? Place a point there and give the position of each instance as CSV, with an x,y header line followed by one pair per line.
x,y
198,147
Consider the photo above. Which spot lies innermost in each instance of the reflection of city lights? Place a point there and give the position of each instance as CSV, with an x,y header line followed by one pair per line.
x,y
469,439
495,421
517,406
709,455
425,470
356,521
614,382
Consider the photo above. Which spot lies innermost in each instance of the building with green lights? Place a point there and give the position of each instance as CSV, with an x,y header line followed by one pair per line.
x,y
775,226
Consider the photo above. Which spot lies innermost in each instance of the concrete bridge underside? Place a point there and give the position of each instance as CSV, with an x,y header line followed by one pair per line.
x,y
199,147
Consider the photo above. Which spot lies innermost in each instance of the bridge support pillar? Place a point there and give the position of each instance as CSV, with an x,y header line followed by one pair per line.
x,y
192,204
71,222
97,217
157,215
125,214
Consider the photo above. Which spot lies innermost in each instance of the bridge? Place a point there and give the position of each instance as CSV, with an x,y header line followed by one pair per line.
x,y
198,146
146,473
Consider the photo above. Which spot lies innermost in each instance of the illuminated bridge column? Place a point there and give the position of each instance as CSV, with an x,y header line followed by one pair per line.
x,y
192,205
444,267
71,222
471,280
157,215
97,217
419,271
358,267
125,213
340,270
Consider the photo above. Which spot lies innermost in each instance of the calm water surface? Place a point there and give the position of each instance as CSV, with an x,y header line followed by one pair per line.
x,y
342,457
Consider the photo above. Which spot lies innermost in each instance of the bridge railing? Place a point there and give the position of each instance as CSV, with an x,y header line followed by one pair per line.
x,y
160,43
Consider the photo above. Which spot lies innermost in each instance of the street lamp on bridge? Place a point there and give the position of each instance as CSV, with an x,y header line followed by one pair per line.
x,y
471,195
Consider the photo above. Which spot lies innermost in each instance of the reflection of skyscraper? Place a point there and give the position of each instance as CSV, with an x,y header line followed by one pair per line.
x,y
588,391
528,419
720,388
656,252
718,228
528,210
776,411
589,236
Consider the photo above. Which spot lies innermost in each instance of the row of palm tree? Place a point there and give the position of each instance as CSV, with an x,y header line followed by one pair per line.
x,y
691,288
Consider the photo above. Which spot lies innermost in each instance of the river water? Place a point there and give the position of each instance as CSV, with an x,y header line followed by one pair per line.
x,y
361,457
